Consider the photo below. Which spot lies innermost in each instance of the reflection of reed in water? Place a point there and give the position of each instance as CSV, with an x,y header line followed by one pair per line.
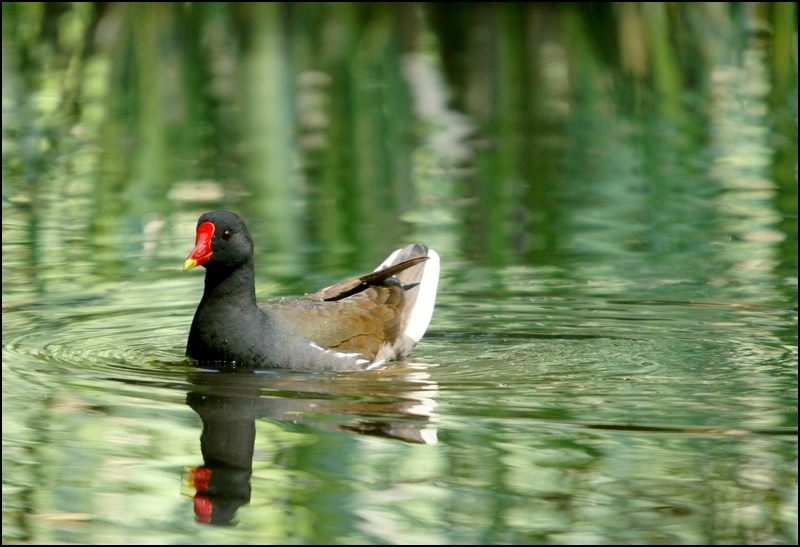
x,y
394,403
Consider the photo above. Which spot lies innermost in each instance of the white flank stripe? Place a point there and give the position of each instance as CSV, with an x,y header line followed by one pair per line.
x,y
342,354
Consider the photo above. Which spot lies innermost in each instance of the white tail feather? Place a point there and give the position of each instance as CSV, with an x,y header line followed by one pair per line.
x,y
426,298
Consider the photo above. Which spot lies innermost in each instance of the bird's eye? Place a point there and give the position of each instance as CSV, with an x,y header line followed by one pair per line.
x,y
227,234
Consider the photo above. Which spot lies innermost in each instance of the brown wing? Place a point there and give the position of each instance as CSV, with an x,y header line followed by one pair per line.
x,y
359,323
358,315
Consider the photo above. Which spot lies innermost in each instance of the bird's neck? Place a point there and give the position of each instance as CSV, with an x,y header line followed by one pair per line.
x,y
231,287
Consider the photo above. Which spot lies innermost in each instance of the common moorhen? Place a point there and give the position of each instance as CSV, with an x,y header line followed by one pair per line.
x,y
355,324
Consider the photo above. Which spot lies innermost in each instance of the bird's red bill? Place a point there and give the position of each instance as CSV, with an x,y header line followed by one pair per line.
x,y
202,247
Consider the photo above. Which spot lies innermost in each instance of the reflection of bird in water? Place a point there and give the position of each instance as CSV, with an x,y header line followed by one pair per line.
x,y
394,403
